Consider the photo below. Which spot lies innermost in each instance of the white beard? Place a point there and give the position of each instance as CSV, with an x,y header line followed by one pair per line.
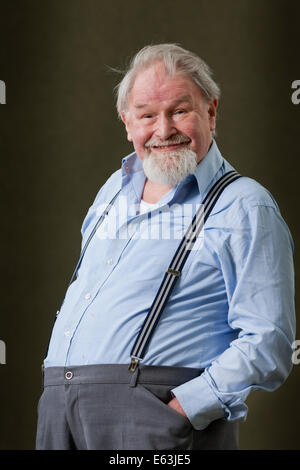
x,y
169,168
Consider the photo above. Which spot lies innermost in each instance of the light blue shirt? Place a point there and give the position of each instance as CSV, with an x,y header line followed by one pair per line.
x,y
232,310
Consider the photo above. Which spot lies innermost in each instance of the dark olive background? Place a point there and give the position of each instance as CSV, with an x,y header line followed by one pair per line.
x,y
61,139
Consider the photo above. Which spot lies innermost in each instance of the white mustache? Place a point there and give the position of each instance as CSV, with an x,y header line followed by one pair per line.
x,y
176,140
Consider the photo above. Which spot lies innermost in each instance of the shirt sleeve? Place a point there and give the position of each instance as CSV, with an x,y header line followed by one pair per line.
x,y
257,266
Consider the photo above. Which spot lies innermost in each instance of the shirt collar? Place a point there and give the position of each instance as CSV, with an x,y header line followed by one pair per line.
x,y
205,172
208,168
131,164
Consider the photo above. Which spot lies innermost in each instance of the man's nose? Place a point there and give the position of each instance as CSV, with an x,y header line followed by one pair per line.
x,y
165,127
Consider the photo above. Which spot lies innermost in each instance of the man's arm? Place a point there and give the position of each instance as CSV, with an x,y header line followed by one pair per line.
x,y
257,266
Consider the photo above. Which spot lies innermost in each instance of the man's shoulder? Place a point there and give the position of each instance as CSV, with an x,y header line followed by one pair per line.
x,y
102,199
247,193
110,187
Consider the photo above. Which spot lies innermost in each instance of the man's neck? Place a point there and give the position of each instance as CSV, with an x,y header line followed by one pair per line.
x,y
153,192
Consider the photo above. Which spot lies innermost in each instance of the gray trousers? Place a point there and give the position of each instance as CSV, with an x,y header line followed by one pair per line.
x,y
106,407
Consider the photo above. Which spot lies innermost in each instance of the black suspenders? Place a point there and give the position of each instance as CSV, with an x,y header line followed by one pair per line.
x,y
175,268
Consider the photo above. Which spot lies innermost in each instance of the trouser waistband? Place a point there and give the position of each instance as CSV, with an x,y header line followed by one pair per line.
x,y
119,373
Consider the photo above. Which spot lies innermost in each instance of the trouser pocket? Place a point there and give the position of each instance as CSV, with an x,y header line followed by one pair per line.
x,y
156,425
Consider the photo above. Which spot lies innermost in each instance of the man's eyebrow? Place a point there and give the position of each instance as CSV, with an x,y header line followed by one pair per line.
x,y
138,105
181,99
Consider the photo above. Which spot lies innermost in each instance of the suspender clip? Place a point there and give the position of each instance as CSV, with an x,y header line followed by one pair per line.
x,y
172,271
133,364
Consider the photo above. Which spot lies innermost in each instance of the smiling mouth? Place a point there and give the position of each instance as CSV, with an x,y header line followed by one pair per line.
x,y
169,146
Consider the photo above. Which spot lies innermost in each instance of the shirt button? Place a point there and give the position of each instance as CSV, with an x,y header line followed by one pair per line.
x,y
109,261
67,334
68,375
87,296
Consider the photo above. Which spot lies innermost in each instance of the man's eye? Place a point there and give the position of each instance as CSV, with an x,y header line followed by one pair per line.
x,y
179,111
147,116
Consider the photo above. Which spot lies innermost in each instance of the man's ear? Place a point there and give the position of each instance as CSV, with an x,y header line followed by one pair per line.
x,y
125,120
212,111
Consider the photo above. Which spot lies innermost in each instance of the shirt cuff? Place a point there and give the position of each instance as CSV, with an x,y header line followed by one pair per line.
x,y
199,402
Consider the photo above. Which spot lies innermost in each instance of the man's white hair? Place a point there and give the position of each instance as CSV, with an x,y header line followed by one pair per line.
x,y
176,60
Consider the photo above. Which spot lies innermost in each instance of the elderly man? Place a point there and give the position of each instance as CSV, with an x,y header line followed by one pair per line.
x,y
182,300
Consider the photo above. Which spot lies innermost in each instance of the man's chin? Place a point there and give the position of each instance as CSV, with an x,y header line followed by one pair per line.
x,y
169,168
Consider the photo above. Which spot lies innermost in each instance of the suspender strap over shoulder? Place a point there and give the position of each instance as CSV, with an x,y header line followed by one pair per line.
x,y
175,268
